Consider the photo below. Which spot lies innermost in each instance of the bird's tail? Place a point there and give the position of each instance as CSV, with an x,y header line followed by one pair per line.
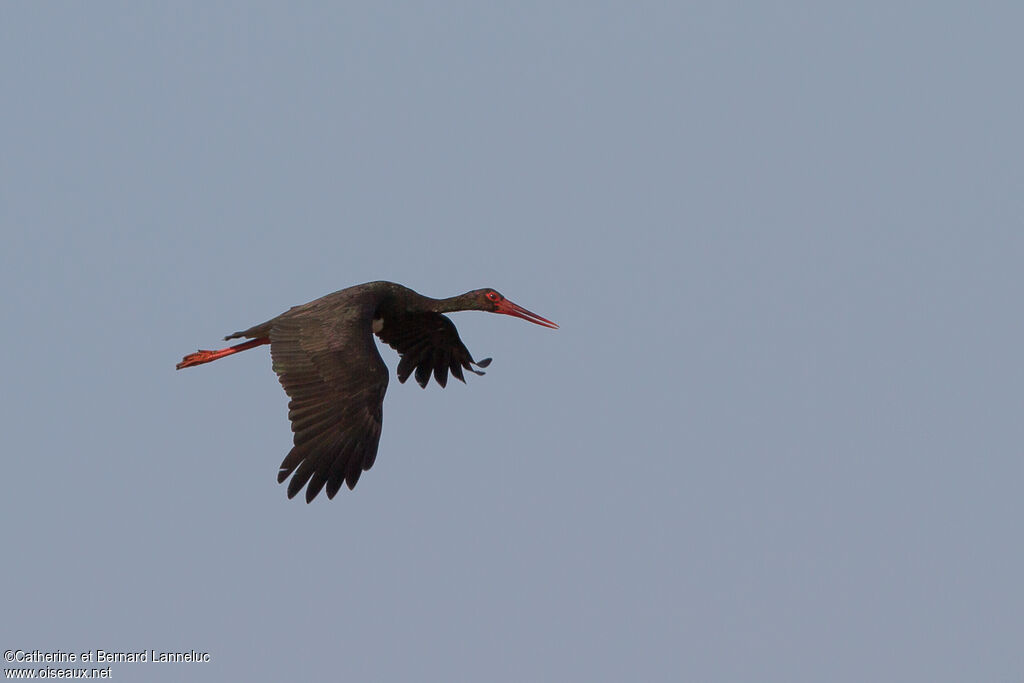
x,y
204,356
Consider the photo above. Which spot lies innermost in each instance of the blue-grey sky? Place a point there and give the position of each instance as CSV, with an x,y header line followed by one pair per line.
x,y
778,437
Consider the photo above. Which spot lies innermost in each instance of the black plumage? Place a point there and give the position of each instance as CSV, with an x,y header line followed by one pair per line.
x,y
325,358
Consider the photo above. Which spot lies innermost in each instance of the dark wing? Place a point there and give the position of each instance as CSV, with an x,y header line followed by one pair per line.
x,y
428,343
336,380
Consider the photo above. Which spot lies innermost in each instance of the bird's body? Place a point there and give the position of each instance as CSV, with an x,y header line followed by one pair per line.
x,y
325,358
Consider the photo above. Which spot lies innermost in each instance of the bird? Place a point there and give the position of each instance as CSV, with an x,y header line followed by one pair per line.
x,y
327,362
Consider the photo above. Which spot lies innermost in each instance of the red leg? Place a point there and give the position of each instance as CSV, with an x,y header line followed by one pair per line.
x,y
202,356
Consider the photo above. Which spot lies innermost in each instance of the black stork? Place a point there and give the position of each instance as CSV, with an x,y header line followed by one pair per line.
x,y
325,358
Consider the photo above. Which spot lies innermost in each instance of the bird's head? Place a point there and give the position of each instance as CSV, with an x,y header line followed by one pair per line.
x,y
492,300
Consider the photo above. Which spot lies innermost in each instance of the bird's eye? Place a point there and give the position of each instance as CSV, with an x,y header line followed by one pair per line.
x,y
493,296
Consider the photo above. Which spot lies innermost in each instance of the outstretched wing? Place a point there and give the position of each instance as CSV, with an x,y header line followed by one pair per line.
x,y
336,379
428,343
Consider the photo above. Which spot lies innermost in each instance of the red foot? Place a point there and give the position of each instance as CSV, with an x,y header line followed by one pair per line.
x,y
203,356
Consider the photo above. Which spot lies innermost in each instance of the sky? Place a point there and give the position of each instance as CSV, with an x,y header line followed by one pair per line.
x,y
778,436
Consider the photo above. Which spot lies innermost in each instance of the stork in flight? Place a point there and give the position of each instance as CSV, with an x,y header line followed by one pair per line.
x,y
325,358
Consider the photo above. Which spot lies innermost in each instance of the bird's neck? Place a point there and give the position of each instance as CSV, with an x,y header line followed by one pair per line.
x,y
449,305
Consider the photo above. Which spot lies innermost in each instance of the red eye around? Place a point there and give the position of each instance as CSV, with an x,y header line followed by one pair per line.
x,y
493,296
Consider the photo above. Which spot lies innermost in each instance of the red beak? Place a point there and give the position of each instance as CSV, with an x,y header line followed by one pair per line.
x,y
508,308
